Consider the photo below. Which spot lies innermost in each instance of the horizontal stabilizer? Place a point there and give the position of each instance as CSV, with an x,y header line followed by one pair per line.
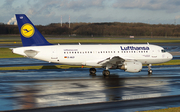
x,y
30,53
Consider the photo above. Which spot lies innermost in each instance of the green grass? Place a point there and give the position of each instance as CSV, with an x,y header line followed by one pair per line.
x,y
6,53
175,109
96,40
172,62
42,67
109,40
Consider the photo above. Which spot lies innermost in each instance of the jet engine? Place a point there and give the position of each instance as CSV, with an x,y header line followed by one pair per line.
x,y
132,66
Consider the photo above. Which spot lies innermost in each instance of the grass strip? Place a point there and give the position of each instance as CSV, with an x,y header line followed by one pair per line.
x,y
96,40
174,109
172,62
109,40
42,67
7,53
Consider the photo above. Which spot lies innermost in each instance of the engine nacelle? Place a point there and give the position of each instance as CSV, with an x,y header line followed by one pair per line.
x,y
132,66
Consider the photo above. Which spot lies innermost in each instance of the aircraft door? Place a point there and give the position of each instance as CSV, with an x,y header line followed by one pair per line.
x,y
54,55
154,53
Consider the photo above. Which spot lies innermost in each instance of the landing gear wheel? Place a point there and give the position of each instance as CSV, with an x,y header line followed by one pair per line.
x,y
106,72
150,72
149,69
92,71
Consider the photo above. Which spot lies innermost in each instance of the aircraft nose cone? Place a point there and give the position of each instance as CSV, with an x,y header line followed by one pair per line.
x,y
170,56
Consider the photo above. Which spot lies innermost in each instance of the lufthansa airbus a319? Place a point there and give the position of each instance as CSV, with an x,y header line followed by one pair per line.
x,y
128,57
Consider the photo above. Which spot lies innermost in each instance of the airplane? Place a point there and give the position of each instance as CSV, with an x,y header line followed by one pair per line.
x,y
127,57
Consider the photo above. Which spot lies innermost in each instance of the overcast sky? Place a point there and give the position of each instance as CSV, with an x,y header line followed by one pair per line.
x,y
50,11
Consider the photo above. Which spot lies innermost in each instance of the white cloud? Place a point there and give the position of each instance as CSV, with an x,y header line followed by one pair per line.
x,y
177,17
167,5
50,11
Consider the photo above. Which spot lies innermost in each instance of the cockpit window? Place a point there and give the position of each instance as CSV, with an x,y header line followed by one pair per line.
x,y
163,51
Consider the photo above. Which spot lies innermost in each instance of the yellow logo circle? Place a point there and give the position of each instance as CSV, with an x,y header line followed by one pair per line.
x,y
27,30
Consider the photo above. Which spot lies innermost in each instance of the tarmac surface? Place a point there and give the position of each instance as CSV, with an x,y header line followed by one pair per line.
x,y
75,90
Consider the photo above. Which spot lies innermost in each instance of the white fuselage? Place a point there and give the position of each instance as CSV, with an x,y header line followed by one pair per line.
x,y
91,54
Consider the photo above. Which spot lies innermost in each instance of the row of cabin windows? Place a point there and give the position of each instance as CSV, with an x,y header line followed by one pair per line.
x,y
89,52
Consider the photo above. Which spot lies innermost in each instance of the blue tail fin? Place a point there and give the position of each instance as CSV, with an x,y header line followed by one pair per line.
x,y
30,36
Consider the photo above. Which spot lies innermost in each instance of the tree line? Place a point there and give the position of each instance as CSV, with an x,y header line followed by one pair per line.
x,y
101,29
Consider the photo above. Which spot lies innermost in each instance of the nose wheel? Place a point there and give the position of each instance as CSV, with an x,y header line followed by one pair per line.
x,y
149,69
150,72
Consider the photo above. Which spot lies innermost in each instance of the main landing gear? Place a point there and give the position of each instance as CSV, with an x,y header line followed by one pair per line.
x,y
92,71
106,72
149,69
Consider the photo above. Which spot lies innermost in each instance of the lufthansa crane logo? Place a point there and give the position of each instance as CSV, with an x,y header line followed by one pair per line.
x,y
27,30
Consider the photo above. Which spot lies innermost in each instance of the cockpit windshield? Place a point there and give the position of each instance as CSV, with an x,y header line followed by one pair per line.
x,y
163,51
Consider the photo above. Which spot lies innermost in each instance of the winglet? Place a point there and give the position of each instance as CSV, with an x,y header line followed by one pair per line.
x,y
30,36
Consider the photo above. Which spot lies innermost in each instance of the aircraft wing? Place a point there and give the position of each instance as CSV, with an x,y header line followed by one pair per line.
x,y
114,61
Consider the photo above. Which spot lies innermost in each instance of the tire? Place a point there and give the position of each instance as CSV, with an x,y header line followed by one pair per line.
x,y
92,71
106,72
150,72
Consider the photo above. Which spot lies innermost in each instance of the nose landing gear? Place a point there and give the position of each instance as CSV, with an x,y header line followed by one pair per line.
x,y
149,69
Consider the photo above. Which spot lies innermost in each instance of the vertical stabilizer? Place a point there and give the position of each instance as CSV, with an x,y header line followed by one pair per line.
x,y
30,36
